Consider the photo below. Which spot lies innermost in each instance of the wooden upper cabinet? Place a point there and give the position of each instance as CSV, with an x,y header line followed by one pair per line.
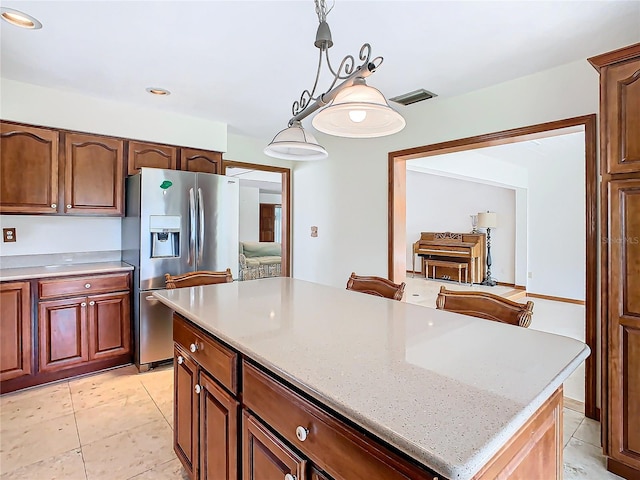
x,y
193,160
94,175
620,109
15,325
143,154
28,169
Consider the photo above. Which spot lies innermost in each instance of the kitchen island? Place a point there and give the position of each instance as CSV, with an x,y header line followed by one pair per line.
x,y
429,393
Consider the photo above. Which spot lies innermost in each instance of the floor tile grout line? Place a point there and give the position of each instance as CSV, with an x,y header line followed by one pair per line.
x,y
84,465
156,404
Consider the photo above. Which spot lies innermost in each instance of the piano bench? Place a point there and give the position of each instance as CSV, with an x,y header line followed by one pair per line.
x,y
445,263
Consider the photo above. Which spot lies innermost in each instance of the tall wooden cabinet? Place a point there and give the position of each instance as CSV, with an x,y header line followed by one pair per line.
x,y
620,161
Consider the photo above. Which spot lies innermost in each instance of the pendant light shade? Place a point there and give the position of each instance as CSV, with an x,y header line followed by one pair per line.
x,y
294,143
359,111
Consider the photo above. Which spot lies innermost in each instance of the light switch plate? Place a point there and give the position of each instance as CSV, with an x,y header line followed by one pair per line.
x,y
9,234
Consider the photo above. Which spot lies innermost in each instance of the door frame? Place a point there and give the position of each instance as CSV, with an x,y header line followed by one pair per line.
x,y
286,205
397,209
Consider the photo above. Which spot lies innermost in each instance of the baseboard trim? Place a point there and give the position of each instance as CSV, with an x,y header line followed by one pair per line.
x,y
625,471
557,299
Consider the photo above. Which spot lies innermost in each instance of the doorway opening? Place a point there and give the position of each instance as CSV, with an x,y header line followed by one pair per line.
x,y
267,206
397,255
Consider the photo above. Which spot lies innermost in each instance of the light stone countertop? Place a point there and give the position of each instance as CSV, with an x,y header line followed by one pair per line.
x,y
26,273
447,389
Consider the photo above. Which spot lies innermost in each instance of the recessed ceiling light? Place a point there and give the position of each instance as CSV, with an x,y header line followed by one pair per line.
x,y
20,19
158,91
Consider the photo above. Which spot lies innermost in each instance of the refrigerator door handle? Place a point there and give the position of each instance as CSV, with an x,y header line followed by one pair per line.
x,y
200,226
192,227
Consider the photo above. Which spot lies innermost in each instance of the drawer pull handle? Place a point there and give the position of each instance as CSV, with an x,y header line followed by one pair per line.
x,y
87,285
53,205
92,302
302,433
83,304
68,206
198,388
180,360
193,347
288,476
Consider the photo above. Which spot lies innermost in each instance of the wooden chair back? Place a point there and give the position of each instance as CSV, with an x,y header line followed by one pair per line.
x,y
485,305
378,286
193,279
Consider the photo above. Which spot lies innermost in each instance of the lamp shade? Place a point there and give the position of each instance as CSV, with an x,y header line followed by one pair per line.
x,y
294,143
487,220
359,111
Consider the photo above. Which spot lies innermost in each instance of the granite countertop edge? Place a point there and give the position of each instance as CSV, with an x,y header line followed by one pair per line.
x,y
51,271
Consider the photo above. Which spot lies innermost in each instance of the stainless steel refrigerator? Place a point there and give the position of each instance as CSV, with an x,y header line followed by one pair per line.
x,y
175,222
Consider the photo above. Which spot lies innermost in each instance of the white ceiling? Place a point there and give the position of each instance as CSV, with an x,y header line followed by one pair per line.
x,y
504,165
245,62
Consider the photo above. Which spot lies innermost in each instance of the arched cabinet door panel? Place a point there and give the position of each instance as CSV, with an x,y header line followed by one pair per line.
x,y
143,154
204,161
28,169
94,175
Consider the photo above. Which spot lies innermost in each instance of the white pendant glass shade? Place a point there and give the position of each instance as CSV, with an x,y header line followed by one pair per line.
x,y
294,143
359,111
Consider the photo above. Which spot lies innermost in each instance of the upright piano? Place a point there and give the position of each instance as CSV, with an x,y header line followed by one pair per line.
x,y
469,248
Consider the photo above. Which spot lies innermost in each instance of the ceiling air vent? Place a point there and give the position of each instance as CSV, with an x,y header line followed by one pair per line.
x,y
413,97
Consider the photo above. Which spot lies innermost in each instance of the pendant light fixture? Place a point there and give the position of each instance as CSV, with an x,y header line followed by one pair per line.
x,y
349,109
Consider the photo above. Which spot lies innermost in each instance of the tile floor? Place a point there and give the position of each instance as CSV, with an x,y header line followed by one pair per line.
x,y
117,425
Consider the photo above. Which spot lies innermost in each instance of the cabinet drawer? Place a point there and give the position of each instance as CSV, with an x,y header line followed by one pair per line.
x,y
335,447
83,285
216,359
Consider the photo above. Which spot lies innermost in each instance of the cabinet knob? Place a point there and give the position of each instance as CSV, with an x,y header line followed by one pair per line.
x,y
180,360
53,205
302,433
92,302
288,476
198,388
68,206
193,347
83,304
87,285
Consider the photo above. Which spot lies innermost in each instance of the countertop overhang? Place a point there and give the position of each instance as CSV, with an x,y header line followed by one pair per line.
x,y
447,389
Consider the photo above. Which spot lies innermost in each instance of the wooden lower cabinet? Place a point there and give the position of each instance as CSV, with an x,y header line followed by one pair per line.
x,y
15,325
62,333
205,422
265,457
185,411
80,324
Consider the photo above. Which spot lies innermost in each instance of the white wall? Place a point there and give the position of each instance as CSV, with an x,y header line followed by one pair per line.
x,y
556,233
249,214
59,234
441,204
273,198
346,195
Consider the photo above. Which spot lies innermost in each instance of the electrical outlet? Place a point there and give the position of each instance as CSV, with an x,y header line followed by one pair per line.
x,y
314,231
530,275
9,234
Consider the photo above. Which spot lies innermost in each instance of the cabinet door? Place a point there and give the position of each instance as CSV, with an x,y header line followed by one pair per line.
x,y
109,325
218,432
94,175
265,457
15,325
142,154
28,169
624,321
185,411
621,112
62,333
204,161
